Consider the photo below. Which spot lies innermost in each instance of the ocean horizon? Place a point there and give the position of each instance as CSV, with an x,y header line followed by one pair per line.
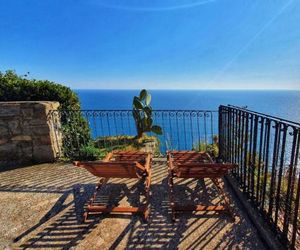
x,y
281,103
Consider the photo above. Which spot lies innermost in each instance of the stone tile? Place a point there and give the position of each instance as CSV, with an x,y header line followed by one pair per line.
x,y
41,207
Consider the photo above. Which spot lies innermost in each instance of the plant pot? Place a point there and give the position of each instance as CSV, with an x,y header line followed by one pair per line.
x,y
149,146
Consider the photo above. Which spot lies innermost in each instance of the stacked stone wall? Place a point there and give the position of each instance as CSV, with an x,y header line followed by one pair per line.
x,y
27,134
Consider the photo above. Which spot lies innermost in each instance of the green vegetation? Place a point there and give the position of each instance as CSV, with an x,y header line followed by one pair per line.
x,y
90,153
98,148
76,132
126,142
14,87
142,113
259,180
212,149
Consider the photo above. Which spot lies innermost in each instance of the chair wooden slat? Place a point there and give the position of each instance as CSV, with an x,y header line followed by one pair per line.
x,y
199,165
120,164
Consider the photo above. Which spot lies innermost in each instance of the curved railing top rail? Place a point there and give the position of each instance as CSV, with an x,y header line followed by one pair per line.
x,y
271,117
130,110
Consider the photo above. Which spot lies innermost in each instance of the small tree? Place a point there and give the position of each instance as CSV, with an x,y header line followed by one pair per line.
x,y
142,113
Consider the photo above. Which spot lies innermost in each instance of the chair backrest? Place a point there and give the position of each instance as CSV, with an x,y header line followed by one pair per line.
x,y
130,156
119,164
202,170
189,157
111,169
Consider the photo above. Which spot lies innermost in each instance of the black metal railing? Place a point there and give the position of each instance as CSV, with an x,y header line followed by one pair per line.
x,y
266,149
182,129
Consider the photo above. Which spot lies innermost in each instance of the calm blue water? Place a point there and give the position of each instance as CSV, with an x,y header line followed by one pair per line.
x,y
183,131
285,104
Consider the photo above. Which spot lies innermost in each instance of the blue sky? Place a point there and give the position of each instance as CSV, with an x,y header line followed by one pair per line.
x,y
231,44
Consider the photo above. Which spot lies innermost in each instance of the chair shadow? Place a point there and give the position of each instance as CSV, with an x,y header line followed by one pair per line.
x,y
161,232
57,208
67,228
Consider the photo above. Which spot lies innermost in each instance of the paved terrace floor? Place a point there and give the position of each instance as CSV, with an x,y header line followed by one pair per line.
x,y
41,208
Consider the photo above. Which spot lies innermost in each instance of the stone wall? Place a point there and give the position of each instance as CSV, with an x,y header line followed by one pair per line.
x,y
27,135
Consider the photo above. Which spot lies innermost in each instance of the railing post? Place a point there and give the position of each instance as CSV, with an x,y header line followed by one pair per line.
x,y
221,135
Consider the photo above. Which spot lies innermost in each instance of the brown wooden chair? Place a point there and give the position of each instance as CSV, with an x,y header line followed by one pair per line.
x,y
120,164
199,165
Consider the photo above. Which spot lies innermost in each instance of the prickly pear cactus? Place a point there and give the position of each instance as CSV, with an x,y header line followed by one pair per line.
x,y
142,113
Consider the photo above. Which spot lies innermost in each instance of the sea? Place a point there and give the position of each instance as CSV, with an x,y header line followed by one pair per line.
x,y
183,130
281,103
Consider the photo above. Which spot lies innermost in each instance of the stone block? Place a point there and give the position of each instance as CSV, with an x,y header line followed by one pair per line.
x,y
4,131
8,147
8,152
40,130
21,138
41,140
14,126
40,112
3,140
27,151
27,113
9,110
43,153
4,121
36,121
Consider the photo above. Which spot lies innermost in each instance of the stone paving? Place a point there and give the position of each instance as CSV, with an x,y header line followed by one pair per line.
x,y
41,208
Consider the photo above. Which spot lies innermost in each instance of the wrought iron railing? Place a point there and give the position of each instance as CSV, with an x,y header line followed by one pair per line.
x,y
182,129
266,149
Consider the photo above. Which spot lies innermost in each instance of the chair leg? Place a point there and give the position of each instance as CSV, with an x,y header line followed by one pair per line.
x,y
173,215
147,183
220,187
99,185
171,195
146,214
85,216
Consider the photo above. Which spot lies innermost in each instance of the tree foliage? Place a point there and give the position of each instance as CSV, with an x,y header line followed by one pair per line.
x,y
75,129
14,87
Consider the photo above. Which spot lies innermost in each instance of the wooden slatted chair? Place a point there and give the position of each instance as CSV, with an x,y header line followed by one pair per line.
x,y
199,165
120,164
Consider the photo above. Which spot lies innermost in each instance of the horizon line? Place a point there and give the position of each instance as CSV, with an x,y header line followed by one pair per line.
x,y
204,89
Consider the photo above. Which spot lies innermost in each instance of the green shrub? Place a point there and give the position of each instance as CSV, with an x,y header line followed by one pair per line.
x,y
19,88
90,153
212,149
125,142
76,132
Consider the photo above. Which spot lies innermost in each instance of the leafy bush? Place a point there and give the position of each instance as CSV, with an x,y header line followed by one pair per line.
x,y
125,142
19,88
76,133
75,129
90,153
212,149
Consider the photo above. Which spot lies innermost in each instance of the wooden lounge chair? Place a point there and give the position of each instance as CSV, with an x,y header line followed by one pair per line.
x,y
120,164
199,165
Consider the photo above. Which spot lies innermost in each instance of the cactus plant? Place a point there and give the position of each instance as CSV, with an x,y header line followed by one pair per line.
x,y
142,114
